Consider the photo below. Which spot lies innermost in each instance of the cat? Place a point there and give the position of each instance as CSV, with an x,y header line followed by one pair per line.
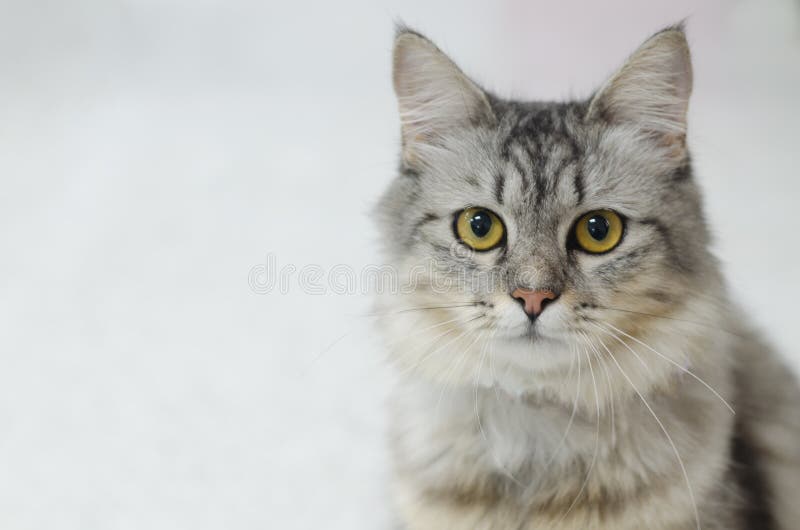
x,y
569,356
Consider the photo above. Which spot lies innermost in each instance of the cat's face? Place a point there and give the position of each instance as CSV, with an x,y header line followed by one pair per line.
x,y
534,233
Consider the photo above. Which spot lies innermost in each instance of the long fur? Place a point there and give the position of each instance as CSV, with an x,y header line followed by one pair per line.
x,y
640,398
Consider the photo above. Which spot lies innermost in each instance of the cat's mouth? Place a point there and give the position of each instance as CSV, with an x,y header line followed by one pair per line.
x,y
530,332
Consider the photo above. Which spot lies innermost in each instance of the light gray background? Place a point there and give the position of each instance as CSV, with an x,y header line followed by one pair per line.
x,y
153,152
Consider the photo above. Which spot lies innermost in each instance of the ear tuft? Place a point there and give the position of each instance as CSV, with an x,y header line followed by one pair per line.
x,y
433,94
652,89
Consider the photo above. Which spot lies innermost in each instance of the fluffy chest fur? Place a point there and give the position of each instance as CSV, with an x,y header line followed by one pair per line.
x,y
481,458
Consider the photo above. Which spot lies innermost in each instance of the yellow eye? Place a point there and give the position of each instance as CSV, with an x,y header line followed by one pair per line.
x,y
479,228
598,231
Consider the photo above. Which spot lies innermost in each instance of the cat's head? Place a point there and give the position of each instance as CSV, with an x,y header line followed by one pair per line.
x,y
534,234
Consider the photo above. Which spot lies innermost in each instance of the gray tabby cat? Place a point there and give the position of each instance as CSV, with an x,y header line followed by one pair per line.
x,y
571,359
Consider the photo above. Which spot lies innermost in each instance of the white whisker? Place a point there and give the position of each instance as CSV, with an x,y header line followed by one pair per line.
x,y
607,332
439,348
664,430
682,368
575,356
596,440
610,386
453,369
489,445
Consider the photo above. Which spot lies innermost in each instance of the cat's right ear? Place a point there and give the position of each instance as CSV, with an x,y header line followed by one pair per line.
x,y
651,91
433,95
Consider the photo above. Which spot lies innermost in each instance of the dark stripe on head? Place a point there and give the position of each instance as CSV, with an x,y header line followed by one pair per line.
x,y
536,159
442,250
499,186
526,185
621,265
676,257
574,158
427,218
415,234
578,184
558,172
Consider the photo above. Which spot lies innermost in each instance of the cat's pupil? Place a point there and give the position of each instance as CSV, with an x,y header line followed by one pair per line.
x,y
480,223
597,225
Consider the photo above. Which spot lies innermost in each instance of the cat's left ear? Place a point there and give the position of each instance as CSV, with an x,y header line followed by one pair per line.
x,y
651,91
433,94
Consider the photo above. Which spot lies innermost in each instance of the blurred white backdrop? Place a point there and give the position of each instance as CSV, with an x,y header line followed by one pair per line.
x,y
153,152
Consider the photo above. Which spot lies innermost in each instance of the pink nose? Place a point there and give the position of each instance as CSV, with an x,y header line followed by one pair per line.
x,y
533,302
